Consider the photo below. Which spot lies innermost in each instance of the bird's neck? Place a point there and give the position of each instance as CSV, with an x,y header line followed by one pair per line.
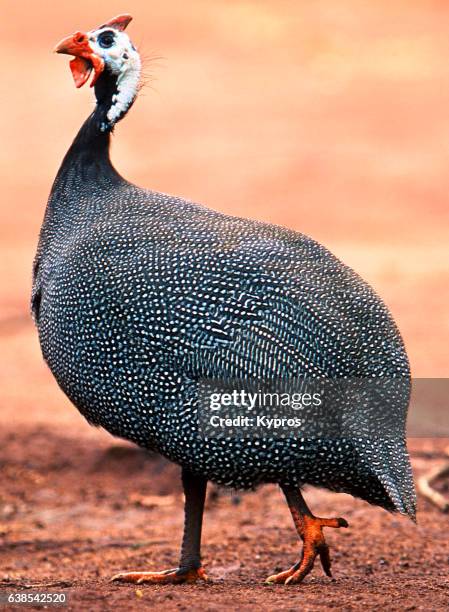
x,y
86,172
89,152
90,148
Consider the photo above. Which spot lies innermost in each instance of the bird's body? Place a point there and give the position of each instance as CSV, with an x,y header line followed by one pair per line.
x,y
138,296
143,294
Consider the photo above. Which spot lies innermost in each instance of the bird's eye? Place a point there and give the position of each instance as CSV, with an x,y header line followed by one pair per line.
x,y
106,40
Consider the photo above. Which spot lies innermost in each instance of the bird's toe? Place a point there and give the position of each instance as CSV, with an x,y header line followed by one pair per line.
x,y
282,577
171,576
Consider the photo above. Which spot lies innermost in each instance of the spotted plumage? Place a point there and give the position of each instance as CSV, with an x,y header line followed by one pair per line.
x,y
139,295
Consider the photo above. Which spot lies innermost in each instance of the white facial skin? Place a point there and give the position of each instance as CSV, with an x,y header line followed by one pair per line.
x,y
123,60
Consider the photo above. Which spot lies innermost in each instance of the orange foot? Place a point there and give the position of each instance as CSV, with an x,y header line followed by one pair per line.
x,y
311,531
171,576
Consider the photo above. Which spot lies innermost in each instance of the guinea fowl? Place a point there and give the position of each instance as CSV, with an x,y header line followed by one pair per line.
x,y
139,296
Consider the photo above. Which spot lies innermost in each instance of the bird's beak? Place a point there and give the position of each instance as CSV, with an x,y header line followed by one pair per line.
x,y
85,60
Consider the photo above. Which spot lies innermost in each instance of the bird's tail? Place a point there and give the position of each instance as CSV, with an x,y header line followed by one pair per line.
x,y
389,460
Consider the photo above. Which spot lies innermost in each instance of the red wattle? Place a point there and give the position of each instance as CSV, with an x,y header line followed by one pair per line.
x,y
81,69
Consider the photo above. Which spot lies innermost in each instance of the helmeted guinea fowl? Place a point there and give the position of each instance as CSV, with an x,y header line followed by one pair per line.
x,y
139,296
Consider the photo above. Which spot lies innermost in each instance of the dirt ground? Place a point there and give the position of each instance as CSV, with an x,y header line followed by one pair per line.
x,y
327,117
76,507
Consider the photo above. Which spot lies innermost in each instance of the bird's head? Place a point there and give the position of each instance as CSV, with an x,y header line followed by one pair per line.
x,y
106,50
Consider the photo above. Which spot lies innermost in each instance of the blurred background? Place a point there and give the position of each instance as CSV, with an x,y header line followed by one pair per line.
x,y
331,118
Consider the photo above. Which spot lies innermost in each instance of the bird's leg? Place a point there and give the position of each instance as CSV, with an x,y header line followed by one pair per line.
x,y
310,530
190,568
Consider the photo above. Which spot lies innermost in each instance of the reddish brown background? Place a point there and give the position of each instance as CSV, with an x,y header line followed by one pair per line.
x,y
329,117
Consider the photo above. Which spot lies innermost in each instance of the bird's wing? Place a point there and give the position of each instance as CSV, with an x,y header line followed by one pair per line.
x,y
289,308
